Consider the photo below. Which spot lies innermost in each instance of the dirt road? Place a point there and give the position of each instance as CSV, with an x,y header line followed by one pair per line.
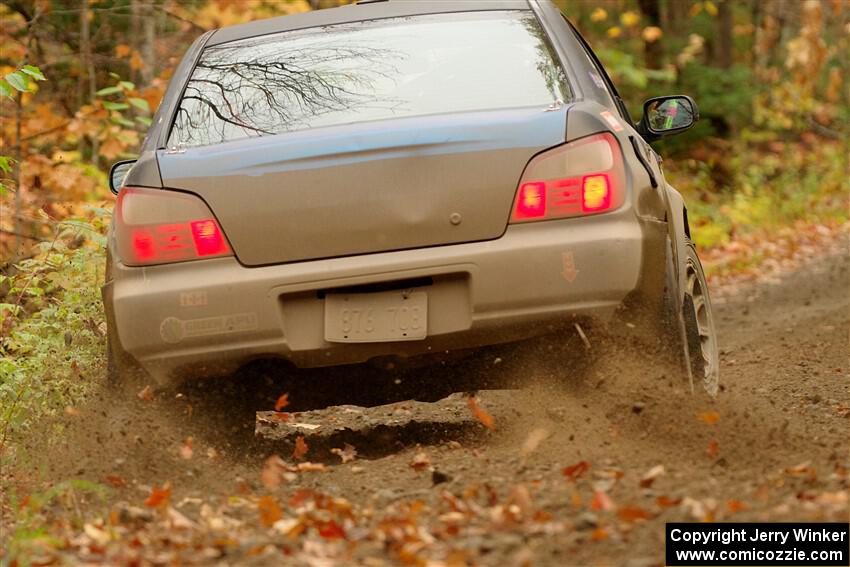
x,y
583,467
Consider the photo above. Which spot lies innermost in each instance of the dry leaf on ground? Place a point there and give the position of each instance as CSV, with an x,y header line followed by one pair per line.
x,y
301,448
269,510
312,467
146,394
650,476
480,414
601,501
347,454
709,417
574,472
159,497
420,460
632,514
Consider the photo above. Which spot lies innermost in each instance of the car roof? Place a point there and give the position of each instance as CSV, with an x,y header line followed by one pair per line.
x,y
370,10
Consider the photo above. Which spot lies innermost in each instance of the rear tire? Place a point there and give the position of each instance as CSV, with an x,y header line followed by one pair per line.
x,y
690,329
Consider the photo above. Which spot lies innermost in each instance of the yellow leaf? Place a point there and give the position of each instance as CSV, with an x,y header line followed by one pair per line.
x,y
630,18
614,32
710,7
598,15
651,34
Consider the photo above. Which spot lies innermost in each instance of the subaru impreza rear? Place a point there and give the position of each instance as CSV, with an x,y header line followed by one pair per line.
x,y
372,181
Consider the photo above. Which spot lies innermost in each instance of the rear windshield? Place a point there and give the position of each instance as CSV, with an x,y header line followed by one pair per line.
x,y
372,70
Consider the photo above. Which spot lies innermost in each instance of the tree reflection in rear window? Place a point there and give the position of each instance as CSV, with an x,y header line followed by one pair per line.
x,y
371,70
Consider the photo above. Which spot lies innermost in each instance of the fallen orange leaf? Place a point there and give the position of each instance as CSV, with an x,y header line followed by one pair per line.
x,y
601,501
480,414
282,402
159,497
599,534
573,472
331,530
312,467
146,394
713,449
709,417
632,514
301,448
300,496
115,481
269,510
667,502
735,506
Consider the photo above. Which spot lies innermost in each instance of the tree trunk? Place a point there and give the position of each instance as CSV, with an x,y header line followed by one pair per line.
x,y
723,52
85,49
653,50
81,77
135,26
677,14
149,45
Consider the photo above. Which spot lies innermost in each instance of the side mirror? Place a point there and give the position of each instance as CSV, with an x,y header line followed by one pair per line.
x,y
118,173
667,115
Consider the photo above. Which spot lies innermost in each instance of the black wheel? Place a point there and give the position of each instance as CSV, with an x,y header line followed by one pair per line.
x,y
698,322
689,327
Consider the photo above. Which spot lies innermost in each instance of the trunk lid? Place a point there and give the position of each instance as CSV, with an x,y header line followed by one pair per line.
x,y
367,187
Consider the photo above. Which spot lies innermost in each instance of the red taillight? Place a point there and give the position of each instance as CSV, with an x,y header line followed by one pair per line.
x,y
531,200
155,226
579,178
595,193
209,241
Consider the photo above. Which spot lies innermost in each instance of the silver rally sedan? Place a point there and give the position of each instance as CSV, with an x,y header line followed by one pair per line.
x,y
395,178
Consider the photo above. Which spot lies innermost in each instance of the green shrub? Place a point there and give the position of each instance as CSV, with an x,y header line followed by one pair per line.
x,y
52,345
761,188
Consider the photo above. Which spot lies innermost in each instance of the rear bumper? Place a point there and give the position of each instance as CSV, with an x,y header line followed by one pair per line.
x,y
212,316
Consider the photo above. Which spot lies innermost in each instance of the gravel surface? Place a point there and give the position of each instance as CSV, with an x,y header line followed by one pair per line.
x,y
587,460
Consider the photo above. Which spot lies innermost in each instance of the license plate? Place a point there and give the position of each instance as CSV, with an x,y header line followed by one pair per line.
x,y
376,317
